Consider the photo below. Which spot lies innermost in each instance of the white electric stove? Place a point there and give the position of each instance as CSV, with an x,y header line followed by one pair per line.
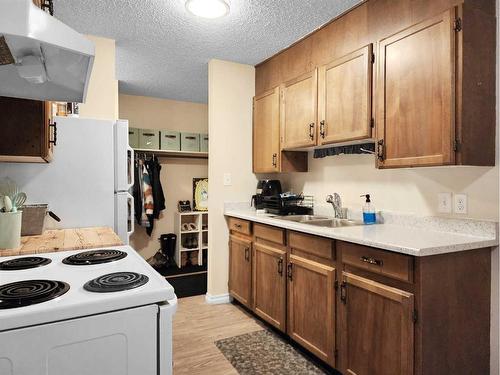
x,y
91,312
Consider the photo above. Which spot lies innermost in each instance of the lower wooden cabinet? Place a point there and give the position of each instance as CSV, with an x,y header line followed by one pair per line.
x,y
376,328
269,284
362,310
240,269
311,306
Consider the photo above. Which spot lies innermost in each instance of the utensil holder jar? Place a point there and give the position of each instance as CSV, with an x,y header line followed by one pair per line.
x,y
10,229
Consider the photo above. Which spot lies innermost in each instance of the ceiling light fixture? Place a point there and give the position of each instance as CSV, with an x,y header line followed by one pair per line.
x,y
208,8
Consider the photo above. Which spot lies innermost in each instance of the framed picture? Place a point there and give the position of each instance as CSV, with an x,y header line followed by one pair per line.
x,y
200,194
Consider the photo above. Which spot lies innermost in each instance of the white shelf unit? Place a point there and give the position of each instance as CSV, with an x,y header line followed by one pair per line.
x,y
197,237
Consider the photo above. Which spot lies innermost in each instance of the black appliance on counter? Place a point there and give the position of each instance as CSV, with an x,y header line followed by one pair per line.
x,y
282,204
265,188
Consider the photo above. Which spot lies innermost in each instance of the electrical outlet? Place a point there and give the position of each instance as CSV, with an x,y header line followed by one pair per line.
x,y
460,203
444,203
227,179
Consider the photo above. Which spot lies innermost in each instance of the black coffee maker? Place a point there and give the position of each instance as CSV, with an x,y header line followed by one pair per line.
x,y
265,188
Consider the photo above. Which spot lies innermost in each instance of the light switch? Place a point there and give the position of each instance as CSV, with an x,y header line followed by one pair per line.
x,y
444,203
227,179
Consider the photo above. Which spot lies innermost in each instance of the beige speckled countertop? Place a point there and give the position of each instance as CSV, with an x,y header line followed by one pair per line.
x,y
411,240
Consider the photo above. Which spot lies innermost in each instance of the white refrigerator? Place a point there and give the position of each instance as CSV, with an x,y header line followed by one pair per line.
x,y
87,183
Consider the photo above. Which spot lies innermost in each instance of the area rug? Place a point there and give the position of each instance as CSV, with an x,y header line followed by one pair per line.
x,y
264,352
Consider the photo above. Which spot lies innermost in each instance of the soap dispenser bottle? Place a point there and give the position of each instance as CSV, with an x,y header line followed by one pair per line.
x,y
369,216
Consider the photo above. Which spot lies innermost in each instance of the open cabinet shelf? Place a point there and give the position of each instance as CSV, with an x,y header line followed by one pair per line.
x,y
173,154
197,238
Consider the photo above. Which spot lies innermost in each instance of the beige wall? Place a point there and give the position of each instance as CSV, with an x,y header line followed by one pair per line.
x,y
102,95
401,190
176,174
231,88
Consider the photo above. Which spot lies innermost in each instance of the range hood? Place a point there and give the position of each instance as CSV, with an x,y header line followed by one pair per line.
x,y
41,58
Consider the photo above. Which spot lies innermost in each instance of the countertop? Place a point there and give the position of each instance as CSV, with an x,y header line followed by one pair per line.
x,y
65,239
398,238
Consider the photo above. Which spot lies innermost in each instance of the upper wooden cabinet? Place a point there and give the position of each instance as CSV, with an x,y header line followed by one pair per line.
x,y
299,111
377,328
433,82
267,154
416,94
345,98
27,132
266,132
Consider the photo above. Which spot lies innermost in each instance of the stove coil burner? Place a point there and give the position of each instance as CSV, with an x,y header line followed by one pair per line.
x,y
30,292
25,263
116,282
94,257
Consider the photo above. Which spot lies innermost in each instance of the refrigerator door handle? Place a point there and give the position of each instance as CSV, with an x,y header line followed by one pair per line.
x,y
130,199
131,171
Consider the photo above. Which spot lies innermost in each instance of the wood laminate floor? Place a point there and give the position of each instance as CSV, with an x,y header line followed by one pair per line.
x,y
197,326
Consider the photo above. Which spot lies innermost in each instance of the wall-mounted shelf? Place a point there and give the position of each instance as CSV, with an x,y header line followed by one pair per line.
x,y
174,154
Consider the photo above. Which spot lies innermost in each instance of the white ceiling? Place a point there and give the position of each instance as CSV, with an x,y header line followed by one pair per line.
x,y
163,51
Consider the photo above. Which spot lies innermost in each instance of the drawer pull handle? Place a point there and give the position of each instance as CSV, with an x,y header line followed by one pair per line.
x,y
237,226
280,266
170,136
190,138
370,260
247,254
148,134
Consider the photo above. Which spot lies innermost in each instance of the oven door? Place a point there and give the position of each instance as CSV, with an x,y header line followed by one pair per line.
x,y
165,315
117,343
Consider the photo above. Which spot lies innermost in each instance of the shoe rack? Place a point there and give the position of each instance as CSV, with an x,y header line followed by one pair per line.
x,y
192,238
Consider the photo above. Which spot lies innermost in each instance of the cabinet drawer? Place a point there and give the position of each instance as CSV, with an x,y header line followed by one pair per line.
x,y
318,246
240,226
269,233
393,265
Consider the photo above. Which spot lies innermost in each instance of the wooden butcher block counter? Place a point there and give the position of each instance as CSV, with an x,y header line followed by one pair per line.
x,y
65,239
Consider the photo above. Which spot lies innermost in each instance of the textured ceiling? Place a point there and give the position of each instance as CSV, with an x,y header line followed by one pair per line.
x,y
163,51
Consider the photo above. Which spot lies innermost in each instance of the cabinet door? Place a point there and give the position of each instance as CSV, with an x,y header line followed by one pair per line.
x,y
299,110
269,284
311,306
240,269
266,132
377,328
26,133
345,98
415,95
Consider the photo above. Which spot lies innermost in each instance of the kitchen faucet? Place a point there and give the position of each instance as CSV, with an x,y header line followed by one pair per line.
x,y
337,205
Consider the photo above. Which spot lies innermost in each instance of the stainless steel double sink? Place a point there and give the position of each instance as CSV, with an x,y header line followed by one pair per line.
x,y
320,221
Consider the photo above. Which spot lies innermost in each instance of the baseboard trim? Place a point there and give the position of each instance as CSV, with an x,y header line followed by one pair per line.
x,y
218,299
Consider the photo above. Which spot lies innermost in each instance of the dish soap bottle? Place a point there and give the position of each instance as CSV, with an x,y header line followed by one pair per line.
x,y
369,216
